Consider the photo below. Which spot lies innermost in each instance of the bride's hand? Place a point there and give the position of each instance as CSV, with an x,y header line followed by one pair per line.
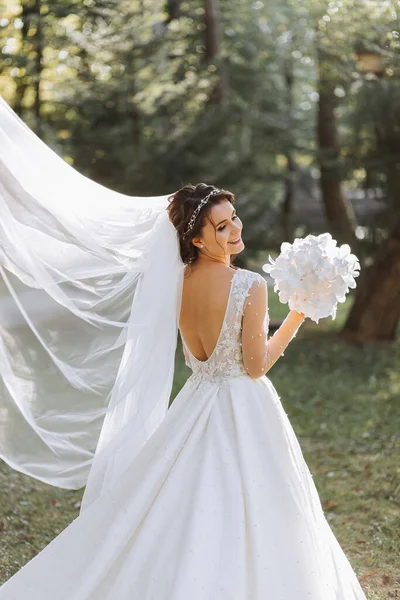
x,y
302,315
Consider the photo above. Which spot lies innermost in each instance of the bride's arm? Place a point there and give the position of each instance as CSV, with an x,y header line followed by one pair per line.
x,y
259,352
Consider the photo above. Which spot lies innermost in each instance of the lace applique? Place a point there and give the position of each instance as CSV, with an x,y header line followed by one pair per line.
x,y
243,347
226,362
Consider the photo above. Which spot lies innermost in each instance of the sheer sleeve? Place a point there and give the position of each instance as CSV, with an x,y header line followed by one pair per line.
x,y
259,352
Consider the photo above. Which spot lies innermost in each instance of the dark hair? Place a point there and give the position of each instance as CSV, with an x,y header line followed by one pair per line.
x,y
182,204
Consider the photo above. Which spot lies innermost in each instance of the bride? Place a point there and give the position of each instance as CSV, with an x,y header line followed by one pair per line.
x,y
210,498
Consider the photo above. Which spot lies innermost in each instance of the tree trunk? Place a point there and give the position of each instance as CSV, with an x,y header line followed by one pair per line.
x,y
289,177
212,44
376,311
339,211
173,10
30,14
38,44
21,82
287,206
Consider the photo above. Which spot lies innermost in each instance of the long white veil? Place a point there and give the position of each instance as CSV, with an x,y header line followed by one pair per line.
x,y
90,293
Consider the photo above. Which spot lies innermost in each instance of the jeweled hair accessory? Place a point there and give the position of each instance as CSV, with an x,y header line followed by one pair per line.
x,y
197,210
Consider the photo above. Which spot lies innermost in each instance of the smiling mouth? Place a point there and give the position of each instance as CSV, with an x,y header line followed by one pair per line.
x,y
235,241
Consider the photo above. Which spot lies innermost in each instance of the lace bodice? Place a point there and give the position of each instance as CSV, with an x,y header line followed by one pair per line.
x,y
226,360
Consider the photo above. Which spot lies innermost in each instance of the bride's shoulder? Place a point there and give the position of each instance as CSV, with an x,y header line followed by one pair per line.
x,y
252,275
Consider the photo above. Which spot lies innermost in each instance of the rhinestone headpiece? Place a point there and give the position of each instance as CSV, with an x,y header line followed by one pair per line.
x,y
197,210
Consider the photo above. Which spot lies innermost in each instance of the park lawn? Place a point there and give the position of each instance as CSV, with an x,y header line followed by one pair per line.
x,y
343,402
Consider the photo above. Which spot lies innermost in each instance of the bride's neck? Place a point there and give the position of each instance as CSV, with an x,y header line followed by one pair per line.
x,y
204,259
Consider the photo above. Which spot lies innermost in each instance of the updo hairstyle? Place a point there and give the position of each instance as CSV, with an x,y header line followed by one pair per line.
x,y
182,205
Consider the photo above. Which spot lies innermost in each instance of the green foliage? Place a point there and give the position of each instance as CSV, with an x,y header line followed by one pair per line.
x,y
127,95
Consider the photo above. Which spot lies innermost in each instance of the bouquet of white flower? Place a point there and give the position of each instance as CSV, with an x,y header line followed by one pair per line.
x,y
312,275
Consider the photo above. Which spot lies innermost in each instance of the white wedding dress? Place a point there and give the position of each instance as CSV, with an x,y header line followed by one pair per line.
x,y
219,504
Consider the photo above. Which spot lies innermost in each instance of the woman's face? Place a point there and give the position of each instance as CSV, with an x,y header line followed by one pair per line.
x,y
221,229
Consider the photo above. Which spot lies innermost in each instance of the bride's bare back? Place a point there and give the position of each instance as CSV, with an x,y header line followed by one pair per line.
x,y
204,301
206,291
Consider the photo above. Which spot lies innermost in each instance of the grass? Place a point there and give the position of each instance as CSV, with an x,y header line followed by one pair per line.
x,y
344,404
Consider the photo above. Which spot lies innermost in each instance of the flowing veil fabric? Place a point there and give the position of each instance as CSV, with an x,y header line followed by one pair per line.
x,y
90,293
